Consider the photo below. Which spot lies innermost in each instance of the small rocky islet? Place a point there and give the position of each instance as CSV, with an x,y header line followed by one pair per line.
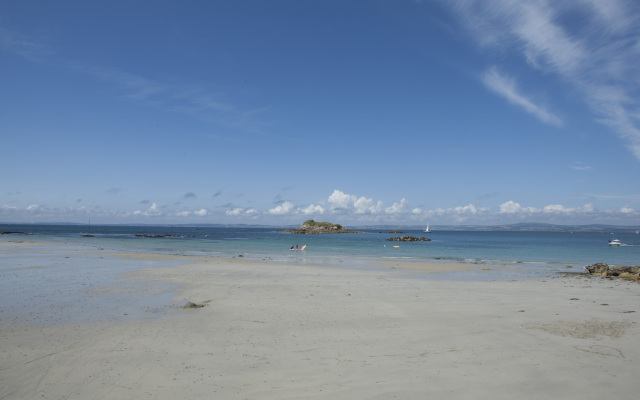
x,y
312,227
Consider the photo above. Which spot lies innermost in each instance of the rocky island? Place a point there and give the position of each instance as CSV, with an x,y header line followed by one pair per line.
x,y
312,227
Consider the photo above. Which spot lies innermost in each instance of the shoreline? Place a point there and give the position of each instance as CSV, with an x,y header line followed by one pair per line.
x,y
574,251
272,330
391,262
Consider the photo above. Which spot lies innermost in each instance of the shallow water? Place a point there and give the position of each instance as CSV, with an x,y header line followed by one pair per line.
x,y
65,284
528,249
74,282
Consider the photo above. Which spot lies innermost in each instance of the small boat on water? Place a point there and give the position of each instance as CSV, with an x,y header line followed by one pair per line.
x,y
615,242
427,230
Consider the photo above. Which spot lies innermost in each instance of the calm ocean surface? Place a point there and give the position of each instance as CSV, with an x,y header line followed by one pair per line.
x,y
58,287
527,249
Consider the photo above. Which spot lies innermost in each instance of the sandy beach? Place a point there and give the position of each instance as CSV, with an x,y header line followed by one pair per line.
x,y
80,323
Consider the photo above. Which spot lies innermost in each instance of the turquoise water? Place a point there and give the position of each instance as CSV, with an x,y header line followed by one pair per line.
x,y
532,249
50,285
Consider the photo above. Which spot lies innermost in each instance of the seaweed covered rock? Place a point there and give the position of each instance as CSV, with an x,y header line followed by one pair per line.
x,y
597,268
624,272
409,238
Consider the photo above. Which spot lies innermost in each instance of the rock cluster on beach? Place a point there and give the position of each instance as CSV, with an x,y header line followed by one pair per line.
x,y
409,238
312,227
631,273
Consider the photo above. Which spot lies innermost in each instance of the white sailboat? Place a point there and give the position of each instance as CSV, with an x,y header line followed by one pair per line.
x,y
427,230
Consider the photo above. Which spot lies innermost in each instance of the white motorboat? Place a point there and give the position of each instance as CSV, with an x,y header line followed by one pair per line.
x,y
615,242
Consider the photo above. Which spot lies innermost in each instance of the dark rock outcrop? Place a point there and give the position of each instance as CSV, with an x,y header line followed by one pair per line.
x,y
409,238
155,236
616,271
192,305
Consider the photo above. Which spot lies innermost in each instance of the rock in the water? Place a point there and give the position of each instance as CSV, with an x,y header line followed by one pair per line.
x,y
409,238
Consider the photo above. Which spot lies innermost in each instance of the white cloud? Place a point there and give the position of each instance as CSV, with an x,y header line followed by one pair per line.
x,y
515,209
510,207
368,212
367,206
234,212
578,166
154,210
338,199
209,104
31,48
627,210
459,214
398,208
312,209
556,208
507,88
597,55
201,213
343,202
285,207
468,209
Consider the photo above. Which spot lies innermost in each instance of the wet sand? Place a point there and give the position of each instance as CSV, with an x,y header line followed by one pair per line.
x,y
83,323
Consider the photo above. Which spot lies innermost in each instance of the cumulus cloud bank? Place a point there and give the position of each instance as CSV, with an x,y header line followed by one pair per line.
x,y
340,207
364,210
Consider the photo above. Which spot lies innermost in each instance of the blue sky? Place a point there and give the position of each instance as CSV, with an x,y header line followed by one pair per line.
x,y
356,112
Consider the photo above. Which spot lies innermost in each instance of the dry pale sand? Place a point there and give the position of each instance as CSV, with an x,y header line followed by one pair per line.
x,y
277,331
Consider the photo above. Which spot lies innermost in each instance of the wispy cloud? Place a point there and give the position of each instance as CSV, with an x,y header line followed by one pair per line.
x,y
32,48
189,195
591,45
579,166
203,100
114,190
507,88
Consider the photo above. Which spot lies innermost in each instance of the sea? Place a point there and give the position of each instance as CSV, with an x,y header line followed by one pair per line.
x,y
523,250
51,287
